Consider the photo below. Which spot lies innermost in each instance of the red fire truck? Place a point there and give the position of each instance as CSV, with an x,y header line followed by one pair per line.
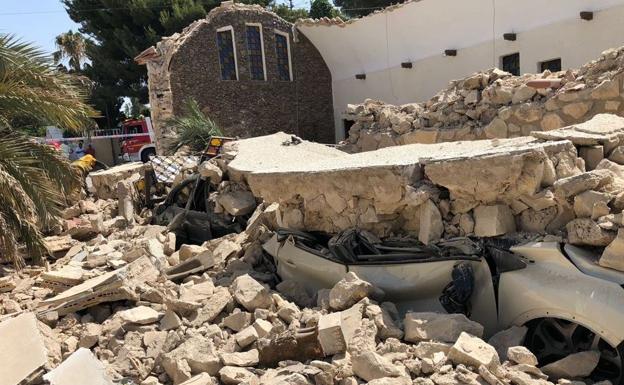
x,y
137,141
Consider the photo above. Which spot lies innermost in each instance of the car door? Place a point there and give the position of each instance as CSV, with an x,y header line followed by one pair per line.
x,y
417,285
306,266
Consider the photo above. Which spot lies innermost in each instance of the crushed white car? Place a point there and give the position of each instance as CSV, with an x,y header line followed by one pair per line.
x,y
568,302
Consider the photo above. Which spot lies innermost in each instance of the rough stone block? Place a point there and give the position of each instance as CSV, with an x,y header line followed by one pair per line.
x,y
248,358
551,121
104,182
237,321
438,327
238,202
617,155
370,366
497,128
195,355
231,375
431,226
141,315
348,291
584,231
211,171
584,203
522,94
573,185
80,368
246,337
575,365
521,355
250,293
213,307
473,351
22,350
608,89
330,334
613,255
420,136
592,156
493,220
577,110
170,321
507,338
263,327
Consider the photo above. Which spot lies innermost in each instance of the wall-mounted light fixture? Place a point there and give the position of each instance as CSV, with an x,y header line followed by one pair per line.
x,y
587,15
360,76
509,36
407,64
450,52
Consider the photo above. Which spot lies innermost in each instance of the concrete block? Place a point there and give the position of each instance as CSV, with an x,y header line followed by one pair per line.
x,y
493,220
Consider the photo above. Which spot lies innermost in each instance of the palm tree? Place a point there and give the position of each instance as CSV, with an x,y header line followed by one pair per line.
x,y
34,178
70,45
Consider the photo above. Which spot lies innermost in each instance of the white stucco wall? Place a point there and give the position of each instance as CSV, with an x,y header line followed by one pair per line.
x,y
420,32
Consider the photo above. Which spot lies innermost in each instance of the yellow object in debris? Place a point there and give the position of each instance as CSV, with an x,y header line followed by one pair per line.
x,y
216,142
140,184
86,163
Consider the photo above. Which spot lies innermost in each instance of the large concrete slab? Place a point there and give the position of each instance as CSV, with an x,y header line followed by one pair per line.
x,y
274,151
382,190
116,285
407,155
80,368
601,129
104,182
22,351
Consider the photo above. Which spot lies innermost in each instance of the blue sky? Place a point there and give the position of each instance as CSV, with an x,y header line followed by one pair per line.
x,y
37,21
40,21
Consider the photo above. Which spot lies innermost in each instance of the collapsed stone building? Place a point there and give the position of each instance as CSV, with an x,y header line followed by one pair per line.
x,y
246,71
494,104
399,54
121,301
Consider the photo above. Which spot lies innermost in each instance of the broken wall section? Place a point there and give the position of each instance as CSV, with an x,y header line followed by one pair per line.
x,y
432,191
493,104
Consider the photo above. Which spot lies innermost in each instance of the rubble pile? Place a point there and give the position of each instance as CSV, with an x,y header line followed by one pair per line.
x,y
123,302
493,104
231,324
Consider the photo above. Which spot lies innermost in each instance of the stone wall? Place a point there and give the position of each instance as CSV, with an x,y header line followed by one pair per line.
x,y
493,104
187,66
415,189
525,186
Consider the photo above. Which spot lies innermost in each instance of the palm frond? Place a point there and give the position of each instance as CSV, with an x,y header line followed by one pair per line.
x,y
30,85
193,128
35,180
71,46
43,173
8,243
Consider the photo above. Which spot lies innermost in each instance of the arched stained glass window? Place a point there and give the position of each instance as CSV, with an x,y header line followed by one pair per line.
x,y
255,51
227,53
282,51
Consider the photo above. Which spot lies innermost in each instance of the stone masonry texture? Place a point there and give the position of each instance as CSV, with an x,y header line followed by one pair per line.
x,y
188,67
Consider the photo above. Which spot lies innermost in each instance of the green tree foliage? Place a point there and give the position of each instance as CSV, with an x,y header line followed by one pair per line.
x,y
288,14
118,30
194,129
321,8
34,178
134,109
70,46
359,8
